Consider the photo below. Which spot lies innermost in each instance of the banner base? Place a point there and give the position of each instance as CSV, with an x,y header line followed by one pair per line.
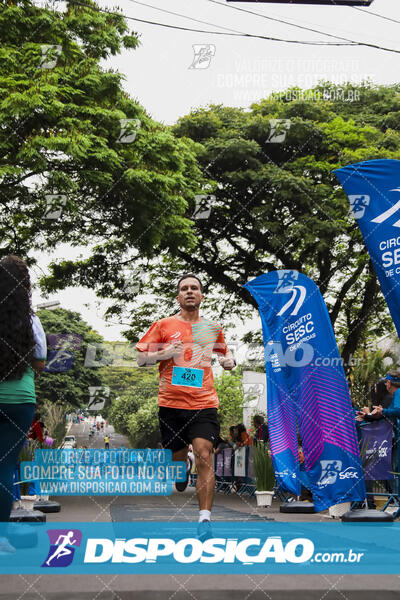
x,y
367,515
27,516
297,507
47,506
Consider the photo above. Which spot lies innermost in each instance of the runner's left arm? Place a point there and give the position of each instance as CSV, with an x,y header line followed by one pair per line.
x,y
225,356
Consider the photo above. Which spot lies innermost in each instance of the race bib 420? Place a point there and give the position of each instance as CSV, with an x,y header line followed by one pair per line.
x,y
187,376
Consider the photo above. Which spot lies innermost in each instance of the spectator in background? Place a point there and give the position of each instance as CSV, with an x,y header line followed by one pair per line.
x,y
305,492
222,445
36,430
23,353
233,433
379,396
243,438
260,430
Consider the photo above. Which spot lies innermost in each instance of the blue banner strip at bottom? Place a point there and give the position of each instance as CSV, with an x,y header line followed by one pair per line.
x,y
174,547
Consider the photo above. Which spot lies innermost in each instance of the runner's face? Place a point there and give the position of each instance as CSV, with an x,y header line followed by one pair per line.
x,y
189,296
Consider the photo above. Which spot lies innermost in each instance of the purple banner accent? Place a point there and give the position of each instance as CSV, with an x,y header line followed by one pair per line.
x,y
283,425
325,413
219,464
376,439
227,461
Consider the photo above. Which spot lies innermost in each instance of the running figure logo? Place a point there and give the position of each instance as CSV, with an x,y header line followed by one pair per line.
x,y
61,356
62,547
285,285
359,203
330,470
286,281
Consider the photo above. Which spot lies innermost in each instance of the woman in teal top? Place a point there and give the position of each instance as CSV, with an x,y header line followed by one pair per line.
x,y
22,354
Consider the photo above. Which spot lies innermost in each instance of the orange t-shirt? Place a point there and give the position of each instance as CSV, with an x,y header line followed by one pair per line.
x,y
199,340
246,439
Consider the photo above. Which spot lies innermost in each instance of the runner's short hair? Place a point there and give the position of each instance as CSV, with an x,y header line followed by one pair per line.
x,y
186,276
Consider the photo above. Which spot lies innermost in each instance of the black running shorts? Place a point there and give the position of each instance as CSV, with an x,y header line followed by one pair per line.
x,y
179,426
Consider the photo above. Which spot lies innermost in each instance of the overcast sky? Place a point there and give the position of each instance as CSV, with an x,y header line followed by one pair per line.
x,y
244,70
176,71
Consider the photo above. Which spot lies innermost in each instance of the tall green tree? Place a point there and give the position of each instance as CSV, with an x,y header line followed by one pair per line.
x,y
274,200
230,393
69,336
274,203
143,427
80,161
134,411
129,386
278,204
369,367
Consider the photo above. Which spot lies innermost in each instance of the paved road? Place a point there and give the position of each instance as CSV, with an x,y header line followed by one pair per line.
x,y
183,507
81,432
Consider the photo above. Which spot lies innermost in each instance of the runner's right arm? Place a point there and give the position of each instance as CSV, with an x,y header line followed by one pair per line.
x,y
145,359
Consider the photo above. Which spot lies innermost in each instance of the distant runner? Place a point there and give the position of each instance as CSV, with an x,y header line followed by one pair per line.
x,y
183,345
106,442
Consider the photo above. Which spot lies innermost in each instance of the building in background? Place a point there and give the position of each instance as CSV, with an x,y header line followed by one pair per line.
x,y
254,396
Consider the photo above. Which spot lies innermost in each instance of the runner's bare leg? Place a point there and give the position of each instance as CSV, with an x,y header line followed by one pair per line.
x,y
205,472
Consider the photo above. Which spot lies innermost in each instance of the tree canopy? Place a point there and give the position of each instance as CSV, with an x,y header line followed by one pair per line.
x,y
230,393
80,161
273,202
67,377
134,412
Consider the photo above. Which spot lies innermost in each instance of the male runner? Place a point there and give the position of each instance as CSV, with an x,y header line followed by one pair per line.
x,y
183,345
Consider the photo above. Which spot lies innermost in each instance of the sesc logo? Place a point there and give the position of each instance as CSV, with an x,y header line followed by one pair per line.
x,y
330,469
286,473
382,450
349,473
62,547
